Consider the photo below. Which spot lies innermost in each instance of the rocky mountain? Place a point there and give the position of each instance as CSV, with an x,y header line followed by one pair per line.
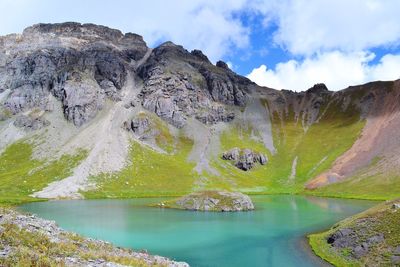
x,y
87,111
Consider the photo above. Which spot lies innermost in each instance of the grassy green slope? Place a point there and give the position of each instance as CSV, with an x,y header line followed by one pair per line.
x,y
381,219
315,149
380,186
20,175
149,173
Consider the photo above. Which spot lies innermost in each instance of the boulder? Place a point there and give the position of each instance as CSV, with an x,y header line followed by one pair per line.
x,y
350,239
396,206
232,154
30,122
245,159
142,126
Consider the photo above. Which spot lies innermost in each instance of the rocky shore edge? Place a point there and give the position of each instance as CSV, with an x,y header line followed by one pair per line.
x,y
28,240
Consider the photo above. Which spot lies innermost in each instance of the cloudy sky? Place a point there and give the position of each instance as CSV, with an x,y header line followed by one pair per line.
x,y
289,44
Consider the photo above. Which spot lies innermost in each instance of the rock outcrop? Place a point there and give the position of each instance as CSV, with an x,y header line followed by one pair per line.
x,y
212,201
244,159
31,122
80,64
142,126
179,84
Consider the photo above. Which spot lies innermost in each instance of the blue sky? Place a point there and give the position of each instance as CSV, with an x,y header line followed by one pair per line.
x,y
282,44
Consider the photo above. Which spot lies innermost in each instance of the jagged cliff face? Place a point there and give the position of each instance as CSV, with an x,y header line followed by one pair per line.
x,y
81,66
157,121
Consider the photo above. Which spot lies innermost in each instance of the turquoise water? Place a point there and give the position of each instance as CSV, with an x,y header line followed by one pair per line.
x,y
272,235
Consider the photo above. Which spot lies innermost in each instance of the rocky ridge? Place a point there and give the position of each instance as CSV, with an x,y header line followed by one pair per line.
x,y
79,64
179,84
82,65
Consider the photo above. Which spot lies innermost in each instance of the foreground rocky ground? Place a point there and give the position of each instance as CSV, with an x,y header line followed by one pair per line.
x,y
371,238
212,201
26,240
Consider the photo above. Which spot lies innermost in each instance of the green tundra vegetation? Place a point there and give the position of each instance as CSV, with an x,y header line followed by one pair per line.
x,y
21,175
380,220
149,173
34,248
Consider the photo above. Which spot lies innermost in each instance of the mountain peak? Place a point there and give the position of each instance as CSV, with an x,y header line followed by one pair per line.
x,y
199,54
74,28
222,64
318,88
83,30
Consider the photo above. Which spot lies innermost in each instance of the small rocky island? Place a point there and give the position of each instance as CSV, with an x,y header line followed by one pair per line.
x,y
211,201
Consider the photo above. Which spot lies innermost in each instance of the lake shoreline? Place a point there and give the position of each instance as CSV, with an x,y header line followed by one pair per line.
x,y
62,247
141,203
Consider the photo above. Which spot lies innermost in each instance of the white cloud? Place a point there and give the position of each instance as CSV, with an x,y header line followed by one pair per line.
x,y
306,27
230,65
333,40
387,69
206,25
336,69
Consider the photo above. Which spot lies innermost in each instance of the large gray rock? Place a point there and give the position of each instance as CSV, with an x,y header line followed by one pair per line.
x,y
142,126
31,122
358,245
232,154
396,206
244,159
81,100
